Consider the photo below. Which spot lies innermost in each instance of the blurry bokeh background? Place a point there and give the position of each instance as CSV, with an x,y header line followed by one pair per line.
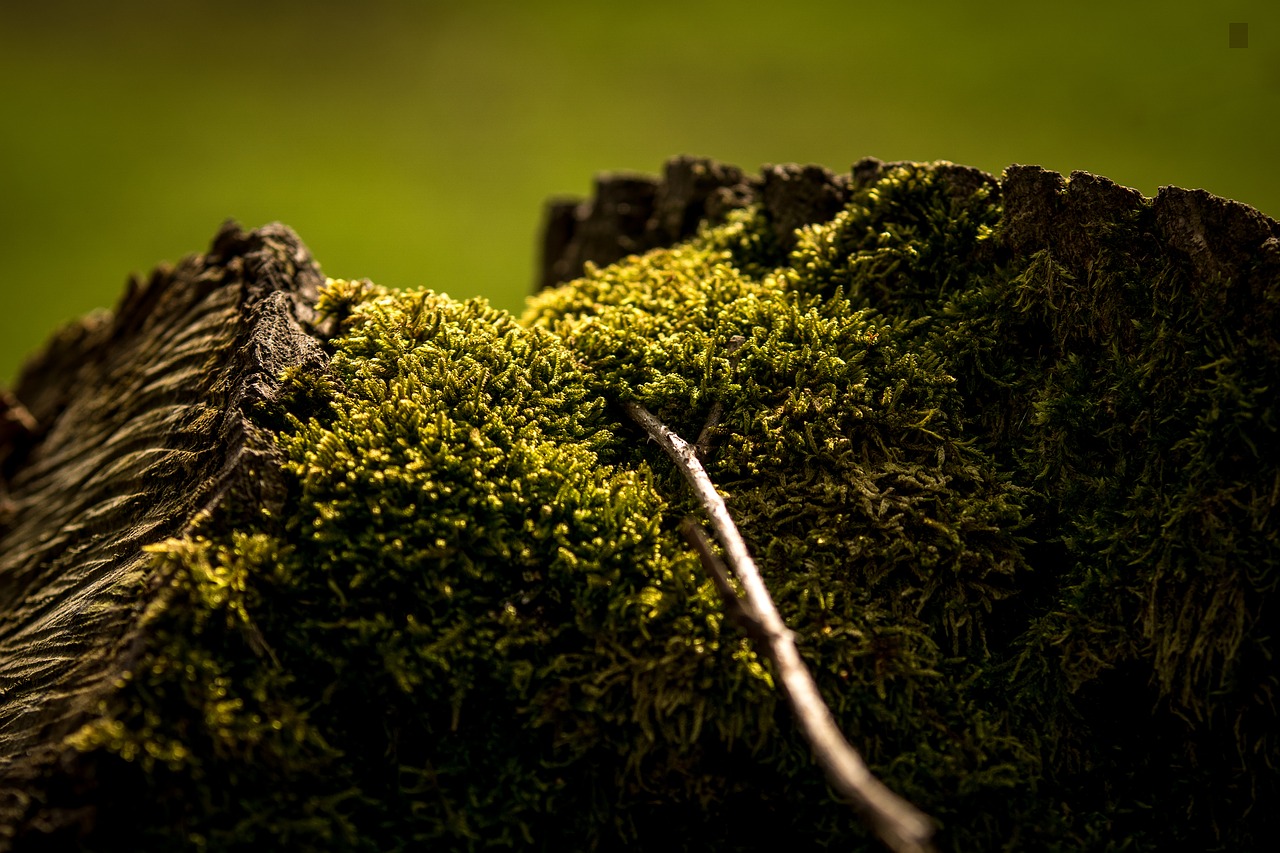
x,y
416,142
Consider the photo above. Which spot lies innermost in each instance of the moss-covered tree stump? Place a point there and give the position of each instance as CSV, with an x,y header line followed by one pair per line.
x,y
288,563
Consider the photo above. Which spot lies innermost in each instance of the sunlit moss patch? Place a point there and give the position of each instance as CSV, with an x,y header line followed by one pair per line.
x,y
1020,512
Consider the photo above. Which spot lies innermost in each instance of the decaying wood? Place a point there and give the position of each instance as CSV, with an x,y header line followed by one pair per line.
x,y
632,214
130,425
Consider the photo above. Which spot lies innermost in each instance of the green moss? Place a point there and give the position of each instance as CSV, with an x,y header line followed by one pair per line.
x,y
1021,515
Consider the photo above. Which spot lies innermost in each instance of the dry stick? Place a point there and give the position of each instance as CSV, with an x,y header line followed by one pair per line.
x,y
900,825
703,444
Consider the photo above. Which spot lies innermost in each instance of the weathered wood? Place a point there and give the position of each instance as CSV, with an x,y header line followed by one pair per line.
x,y
133,424
631,214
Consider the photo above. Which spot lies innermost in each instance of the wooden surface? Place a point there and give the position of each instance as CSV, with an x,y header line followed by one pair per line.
x,y
131,425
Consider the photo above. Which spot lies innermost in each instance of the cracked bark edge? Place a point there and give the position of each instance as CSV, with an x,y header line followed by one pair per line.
x,y
1215,238
137,423
630,213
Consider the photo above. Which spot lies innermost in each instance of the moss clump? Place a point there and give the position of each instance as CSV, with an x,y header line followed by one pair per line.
x,y
1020,513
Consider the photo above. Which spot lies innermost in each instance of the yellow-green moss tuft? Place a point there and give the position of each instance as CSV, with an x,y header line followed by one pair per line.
x,y
1021,515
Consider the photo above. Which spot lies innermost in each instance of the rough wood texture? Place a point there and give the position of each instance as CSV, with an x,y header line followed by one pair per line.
x,y
134,423
631,214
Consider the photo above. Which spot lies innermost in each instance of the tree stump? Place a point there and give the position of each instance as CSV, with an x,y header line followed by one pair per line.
x,y
1091,407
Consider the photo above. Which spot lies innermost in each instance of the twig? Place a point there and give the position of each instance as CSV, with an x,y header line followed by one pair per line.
x,y
703,444
739,610
901,826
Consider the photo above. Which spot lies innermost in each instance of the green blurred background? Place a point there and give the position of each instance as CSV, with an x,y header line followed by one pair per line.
x,y
416,142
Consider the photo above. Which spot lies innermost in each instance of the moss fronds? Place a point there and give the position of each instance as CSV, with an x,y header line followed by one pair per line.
x,y
1020,506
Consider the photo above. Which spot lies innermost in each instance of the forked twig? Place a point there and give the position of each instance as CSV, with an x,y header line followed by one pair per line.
x,y
739,610
703,444
901,826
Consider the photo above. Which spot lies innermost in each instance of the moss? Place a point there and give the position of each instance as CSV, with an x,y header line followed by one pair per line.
x,y
1020,510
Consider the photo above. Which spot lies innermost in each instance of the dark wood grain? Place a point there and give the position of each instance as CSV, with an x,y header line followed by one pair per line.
x,y
131,425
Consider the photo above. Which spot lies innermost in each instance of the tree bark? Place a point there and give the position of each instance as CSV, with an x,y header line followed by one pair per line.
x,y
129,427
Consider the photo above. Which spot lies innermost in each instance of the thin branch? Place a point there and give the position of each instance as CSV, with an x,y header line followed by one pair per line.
x,y
901,826
739,610
703,444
